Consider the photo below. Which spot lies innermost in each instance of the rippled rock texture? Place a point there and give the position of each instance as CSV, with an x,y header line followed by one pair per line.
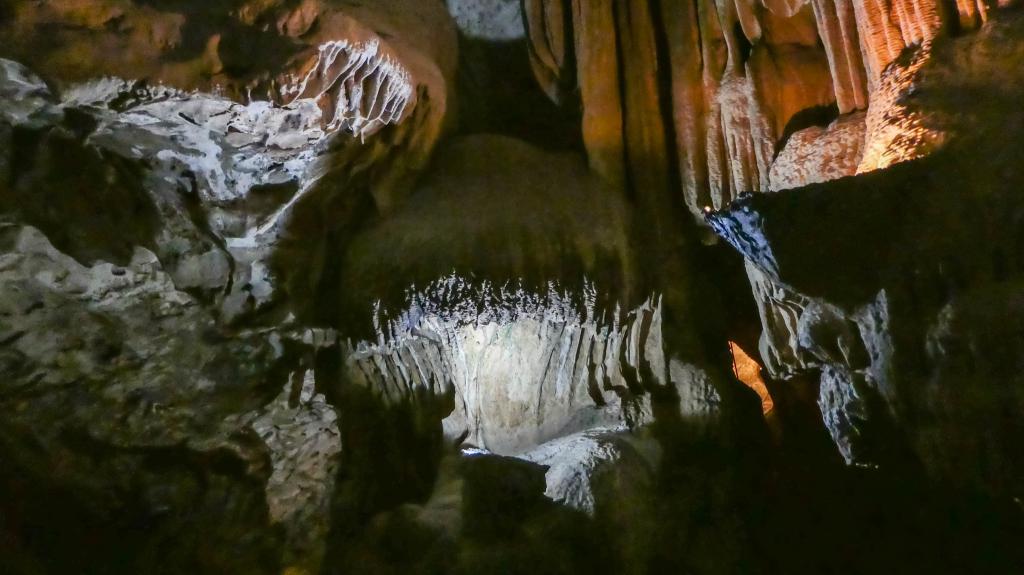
x,y
524,370
905,309
699,99
404,286
224,152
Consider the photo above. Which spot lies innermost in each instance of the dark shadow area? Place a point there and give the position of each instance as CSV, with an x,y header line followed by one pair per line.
x,y
489,208
183,512
90,204
820,116
498,94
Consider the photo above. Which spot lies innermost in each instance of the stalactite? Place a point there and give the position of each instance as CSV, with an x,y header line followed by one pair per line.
x,y
713,60
682,28
358,86
881,40
546,21
597,62
740,71
646,139
523,370
838,28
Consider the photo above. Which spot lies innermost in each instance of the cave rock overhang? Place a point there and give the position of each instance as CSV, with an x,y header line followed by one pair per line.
x,y
522,367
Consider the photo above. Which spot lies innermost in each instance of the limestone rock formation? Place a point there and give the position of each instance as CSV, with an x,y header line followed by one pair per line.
x,y
277,50
817,154
224,150
141,193
737,79
496,20
412,286
536,322
895,132
524,370
870,303
594,466
160,427
300,431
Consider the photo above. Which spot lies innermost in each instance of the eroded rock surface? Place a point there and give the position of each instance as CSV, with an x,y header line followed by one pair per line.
x,y
218,156
597,465
252,321
141,193
538,329
114,418
870,303
277,50
526,369
736,79
817,154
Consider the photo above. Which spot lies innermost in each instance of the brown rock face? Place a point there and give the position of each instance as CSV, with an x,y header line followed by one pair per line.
x,y
244,48
744,75
817,154
365,66
903,311
837,28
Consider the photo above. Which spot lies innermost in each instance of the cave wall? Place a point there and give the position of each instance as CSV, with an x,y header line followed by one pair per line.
x,y
701,97
512,280
258,314
709,100
902,311
148,162
227,115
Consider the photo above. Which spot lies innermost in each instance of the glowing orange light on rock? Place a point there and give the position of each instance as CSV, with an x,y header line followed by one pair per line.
x,y
748,371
